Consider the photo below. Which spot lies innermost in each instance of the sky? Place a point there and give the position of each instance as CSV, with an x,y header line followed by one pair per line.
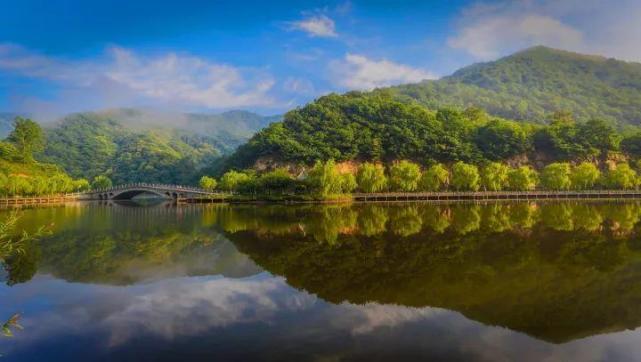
x,y
61,56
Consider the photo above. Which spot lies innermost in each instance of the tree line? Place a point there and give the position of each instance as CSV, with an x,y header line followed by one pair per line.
x,y
325,179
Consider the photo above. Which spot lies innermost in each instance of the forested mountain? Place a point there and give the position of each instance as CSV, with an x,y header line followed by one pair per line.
x,y
377,126
229,129
533,83
536,106
130,145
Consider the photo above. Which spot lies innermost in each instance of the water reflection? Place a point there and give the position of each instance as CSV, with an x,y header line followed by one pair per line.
x,y
362,281
123,244
556,271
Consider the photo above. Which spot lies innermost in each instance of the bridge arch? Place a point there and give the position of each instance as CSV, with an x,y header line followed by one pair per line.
x,y
131,193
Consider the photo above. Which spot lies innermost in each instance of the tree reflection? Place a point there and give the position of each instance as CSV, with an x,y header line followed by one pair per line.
x,y
405,221
554,270
372,220
466,218
551,270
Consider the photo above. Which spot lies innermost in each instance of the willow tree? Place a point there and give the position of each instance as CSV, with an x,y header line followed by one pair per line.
x,y
621,177
371,177
325,179
556,176
405,175
207,183
101,182
465,177
231,180
494,176
435,178
584,176
523,178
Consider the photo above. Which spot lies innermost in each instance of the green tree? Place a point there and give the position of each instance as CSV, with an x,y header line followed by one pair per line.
x,y
499,139
207,183
278,181
8,151
631,144
523,178
325,178
18,185
598,137
81,185
231,180
348,182
465,177
621,177
101,182
28,138
405,175
60,183
556,176
371,177
435,178
584,176
494,176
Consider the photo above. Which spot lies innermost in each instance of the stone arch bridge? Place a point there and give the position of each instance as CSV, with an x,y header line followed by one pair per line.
x,y
169,192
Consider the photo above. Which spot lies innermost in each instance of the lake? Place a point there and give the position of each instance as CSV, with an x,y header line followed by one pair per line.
x,y
407,281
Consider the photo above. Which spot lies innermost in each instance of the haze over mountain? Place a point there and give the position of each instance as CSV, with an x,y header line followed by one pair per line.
x,y
533,83
132,145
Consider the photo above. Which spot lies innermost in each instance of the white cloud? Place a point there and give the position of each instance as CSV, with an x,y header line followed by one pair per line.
x,y
298,85
489,37
372,316
168,79
316,26
359,72
489,30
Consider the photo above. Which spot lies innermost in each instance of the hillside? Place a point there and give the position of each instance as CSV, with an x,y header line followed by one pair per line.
x,y
21,175
378,127
229,129
130,145
88,145
534,107
533,83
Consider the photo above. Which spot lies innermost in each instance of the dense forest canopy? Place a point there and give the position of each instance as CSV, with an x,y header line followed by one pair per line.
x,y
532,83
378,127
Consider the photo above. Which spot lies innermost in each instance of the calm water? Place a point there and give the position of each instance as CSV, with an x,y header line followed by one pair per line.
x,y
519,281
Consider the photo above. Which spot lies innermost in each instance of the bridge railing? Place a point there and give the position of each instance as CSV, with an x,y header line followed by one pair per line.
x,y
153,186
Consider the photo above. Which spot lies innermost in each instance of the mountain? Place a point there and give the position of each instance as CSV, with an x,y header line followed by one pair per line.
x,y
230,129
514,110
377,126
131,145
536,82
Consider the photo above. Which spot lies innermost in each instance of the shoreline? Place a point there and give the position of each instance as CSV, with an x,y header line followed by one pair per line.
x,y
429,197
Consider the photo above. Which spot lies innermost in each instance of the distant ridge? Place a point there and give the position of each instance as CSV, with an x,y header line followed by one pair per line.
x,y
532,83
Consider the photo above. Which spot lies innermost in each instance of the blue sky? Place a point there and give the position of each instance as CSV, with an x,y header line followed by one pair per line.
x,y
59,56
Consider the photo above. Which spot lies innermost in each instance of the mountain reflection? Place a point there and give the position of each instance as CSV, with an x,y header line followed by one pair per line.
x,y
124,245
556,271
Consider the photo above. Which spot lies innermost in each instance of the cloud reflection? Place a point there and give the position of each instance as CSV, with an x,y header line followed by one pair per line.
x,y
174,310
